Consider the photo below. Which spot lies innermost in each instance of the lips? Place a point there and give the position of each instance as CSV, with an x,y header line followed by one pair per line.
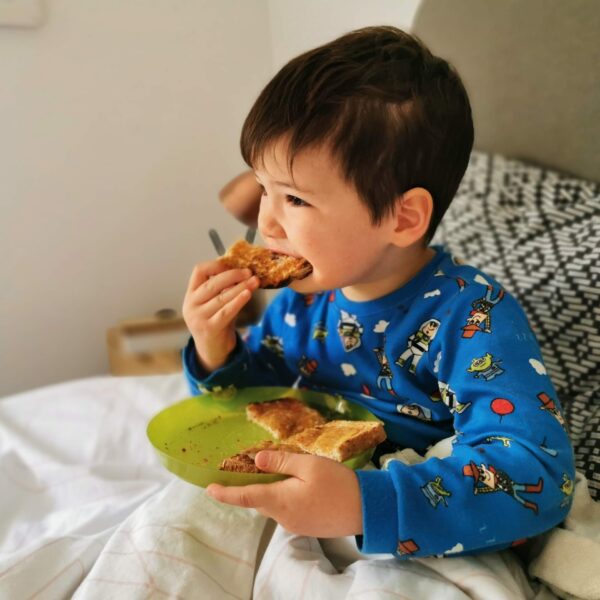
x,y
284,252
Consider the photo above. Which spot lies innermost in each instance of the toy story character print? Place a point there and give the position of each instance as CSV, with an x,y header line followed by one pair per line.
x,y
307,366
448,396
567,487
418,344
485,367
549,405
309,299
218,390
548,450
350,331
462,284
384,377
414,410
407,547
499,438
274,344
481,313
320,332
487,479
435,492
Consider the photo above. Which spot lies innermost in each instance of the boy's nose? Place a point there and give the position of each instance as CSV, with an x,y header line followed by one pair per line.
x,y
268,223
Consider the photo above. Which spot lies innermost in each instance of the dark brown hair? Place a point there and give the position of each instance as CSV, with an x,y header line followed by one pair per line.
x,y
394,115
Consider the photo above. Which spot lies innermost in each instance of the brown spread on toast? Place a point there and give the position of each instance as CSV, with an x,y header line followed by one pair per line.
x,y
274,270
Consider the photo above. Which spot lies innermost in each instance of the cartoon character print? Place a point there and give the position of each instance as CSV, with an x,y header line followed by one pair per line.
x,y
274,344
499,438
567,488
320,332
414,410
462,284
218,390
309,299
418,343
549,405
481,313
407,547
487,479
384,377
448,396
485,367
435,492
307,366
548,450
350,331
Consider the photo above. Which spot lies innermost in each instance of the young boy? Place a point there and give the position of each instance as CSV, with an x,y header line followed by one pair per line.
x,y
359,146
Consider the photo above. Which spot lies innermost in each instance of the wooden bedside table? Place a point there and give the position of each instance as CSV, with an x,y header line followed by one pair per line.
x,y
147,346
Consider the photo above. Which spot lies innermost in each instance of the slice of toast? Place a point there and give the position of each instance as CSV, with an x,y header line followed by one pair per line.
x,y
244,461
274,270
283,417
339,440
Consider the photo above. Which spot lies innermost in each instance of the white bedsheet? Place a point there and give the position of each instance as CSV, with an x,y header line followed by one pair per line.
x,y
87,511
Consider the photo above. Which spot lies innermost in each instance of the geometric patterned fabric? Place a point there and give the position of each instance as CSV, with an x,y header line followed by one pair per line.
x,y
538,233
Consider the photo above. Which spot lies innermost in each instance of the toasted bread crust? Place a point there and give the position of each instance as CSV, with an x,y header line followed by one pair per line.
x,y
340,440
274,270
283,417
244,461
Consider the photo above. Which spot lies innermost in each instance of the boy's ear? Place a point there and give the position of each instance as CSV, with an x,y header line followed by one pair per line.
x,y
412,216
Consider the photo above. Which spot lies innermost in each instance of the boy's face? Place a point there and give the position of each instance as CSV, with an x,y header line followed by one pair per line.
x,y
319,216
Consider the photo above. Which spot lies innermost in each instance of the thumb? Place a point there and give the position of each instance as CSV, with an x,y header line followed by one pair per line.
x,y
277,461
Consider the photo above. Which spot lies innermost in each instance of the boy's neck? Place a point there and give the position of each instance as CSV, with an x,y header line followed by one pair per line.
x,y
407,263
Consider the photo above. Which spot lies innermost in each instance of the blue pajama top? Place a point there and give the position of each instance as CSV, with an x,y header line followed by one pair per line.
x,y
449,353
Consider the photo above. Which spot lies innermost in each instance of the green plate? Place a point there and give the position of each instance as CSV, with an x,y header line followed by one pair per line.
x,y
193,436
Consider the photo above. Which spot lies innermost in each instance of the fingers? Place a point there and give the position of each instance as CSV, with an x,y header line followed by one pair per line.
x,y
226,295
248,496
212,286
203,272
287,463
229,310
209,278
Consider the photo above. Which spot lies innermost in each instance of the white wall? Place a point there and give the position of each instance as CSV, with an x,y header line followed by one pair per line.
x,y
297,25
119,122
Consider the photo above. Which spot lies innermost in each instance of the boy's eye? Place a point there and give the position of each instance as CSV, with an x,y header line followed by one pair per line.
x,y
295,201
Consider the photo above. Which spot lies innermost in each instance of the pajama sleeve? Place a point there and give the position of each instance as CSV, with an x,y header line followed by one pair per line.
x,y
511,471
257,360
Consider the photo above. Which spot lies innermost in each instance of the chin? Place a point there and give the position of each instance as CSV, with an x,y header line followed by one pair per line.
x,y
308,285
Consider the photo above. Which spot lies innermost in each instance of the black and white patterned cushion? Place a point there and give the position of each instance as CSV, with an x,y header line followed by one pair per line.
x,y
538,233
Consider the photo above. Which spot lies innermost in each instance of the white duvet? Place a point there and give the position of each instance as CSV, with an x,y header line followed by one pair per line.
x,y
87,511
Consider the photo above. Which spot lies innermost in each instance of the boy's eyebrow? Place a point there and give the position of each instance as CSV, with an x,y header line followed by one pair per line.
x,y
286,184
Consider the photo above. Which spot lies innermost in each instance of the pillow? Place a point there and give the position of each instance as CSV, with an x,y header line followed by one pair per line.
x,y
538,232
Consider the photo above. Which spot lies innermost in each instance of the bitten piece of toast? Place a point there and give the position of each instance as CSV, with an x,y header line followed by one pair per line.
x,y
283,417
274,270
244,461
340,440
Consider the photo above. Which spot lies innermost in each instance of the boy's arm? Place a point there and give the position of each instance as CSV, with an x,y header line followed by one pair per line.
x,y
241,197
511,471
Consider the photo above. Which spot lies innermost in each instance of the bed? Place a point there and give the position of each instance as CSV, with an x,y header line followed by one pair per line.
x,y
86,509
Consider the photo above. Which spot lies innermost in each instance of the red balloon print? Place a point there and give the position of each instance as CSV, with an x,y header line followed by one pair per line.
x,y
502,407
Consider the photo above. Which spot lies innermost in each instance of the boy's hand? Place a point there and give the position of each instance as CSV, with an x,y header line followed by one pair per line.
x,y
321,499
214,297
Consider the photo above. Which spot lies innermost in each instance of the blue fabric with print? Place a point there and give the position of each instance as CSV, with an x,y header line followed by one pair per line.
x,y
449,353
